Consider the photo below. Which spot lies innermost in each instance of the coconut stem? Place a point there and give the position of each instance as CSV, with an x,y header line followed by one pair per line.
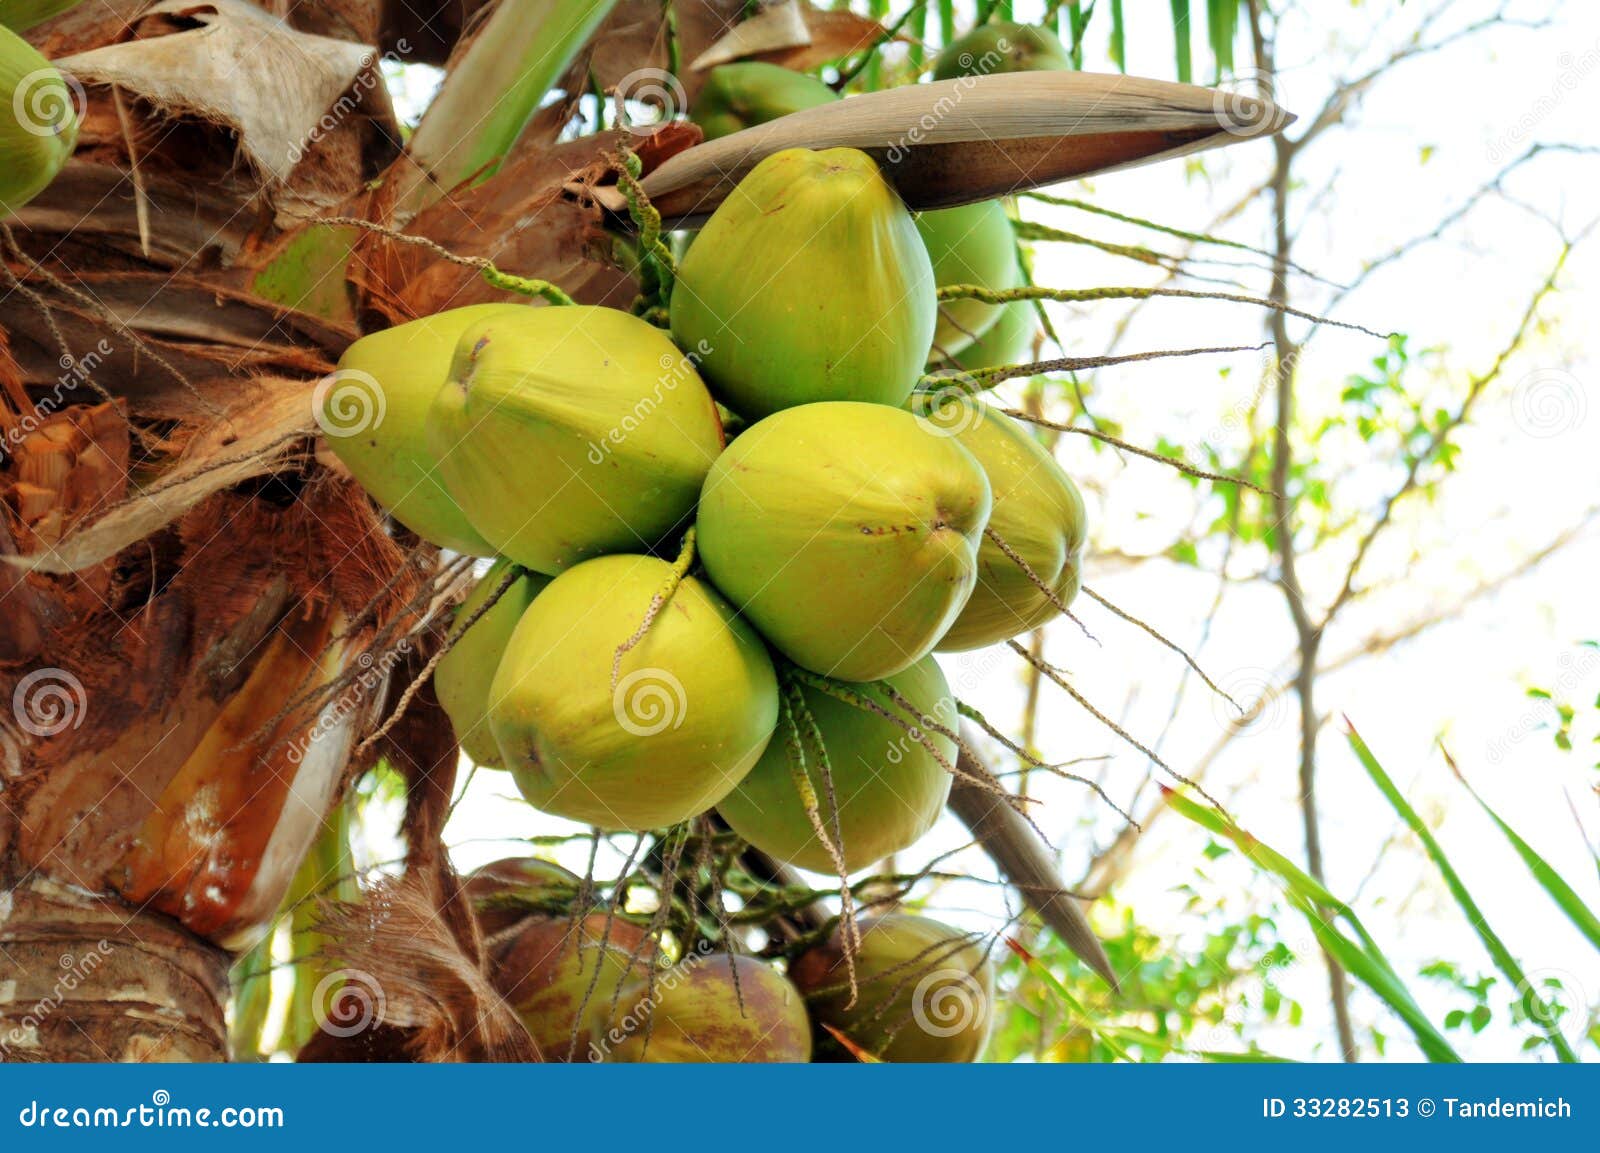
x,y
680,568
524,285
988,726
1083,295
658,269
527,286
794,709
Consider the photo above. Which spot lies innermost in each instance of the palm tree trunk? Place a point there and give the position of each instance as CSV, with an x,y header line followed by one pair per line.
x,y
88,978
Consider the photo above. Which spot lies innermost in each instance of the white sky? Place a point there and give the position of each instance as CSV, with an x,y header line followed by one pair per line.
x,y
1464,682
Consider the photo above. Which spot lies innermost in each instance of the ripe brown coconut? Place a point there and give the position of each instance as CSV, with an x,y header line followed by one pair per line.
x,y
510,890
720,1009
925,992
547,968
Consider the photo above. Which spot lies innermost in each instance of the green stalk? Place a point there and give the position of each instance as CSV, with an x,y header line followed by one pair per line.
x,y
327,873
1361,957
1552,882
1119,40
1180,34
251,979
523,50
1497,950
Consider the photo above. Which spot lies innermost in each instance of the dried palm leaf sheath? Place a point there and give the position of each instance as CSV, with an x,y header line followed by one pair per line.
x,y
1026,862
973,138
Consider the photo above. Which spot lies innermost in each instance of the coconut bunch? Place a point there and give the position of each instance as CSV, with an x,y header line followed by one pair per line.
x,y
726,552
590,984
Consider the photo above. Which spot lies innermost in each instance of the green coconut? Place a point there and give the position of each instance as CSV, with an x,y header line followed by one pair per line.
x,y
547,972
738,96
461,679
848,533
38,122
925,992
374,413
1009,340
569,432
692,709
718,1009
1038,513
512,889
1001,46
972,244
890,788
809,283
